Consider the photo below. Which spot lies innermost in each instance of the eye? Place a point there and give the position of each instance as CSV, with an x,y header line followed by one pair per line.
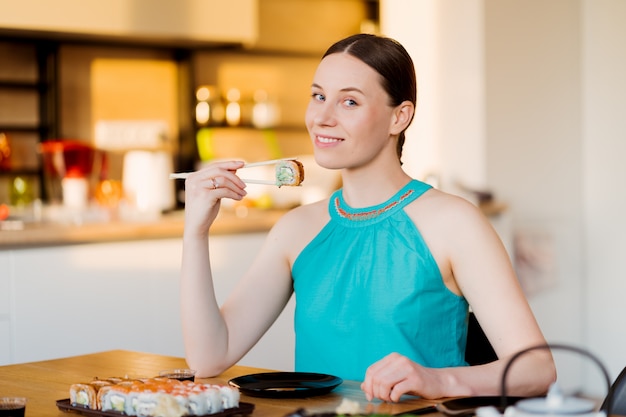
x,y
318,97
349,102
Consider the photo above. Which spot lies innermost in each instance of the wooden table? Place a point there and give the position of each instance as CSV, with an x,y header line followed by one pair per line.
x,y
43,383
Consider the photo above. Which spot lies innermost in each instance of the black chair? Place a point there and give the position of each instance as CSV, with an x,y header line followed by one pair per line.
x,y
617,393
478,350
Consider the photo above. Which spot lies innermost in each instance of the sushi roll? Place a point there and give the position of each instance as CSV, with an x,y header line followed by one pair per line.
x,y
134,390
145,403
289,172
196,402
159,404
99,383
180,394
213,399
84,395
114,398
165,405
230,396
158,398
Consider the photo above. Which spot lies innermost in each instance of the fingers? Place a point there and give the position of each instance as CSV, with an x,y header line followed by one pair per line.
x,y
380,379
218,178
387,388
227,185
389,378
204,191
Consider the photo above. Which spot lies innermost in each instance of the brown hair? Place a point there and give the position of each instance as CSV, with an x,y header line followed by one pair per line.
x,y
389,59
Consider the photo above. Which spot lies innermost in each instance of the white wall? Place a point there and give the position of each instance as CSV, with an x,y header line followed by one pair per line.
x,y
542,126
604,173
534,147
446,138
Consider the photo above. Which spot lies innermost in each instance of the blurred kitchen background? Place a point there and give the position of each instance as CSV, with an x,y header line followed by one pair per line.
x,y
521,110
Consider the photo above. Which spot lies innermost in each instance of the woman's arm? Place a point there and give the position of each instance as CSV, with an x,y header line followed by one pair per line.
x,y
216,338
484,274
475,264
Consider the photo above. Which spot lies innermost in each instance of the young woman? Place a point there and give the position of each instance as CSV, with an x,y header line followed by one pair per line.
x,y
383,271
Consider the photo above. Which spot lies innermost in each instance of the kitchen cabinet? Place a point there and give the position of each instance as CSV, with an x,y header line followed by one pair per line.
x,y
71,300
31,34
189,21
309,27
251,45
28,97
284,77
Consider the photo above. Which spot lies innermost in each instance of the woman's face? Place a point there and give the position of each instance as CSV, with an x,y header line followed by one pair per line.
x,y
349,116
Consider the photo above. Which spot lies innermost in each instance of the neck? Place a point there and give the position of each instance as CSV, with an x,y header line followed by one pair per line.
x,y
366,187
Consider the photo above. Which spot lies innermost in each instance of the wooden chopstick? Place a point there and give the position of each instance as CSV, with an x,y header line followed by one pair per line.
x,y
179,175
266,182
184,175
273,161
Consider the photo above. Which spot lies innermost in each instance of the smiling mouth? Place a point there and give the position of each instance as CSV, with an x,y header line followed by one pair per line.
x,y
326,139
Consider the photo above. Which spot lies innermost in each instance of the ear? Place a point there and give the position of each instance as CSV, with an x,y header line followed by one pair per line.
x,y
401,118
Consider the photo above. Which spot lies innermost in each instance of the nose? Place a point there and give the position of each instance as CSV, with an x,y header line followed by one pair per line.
x,y
322,114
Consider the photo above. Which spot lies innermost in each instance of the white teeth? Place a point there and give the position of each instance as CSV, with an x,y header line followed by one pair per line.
x,y
327,140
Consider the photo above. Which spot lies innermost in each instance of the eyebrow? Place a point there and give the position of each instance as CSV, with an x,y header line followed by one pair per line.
x,y
346,89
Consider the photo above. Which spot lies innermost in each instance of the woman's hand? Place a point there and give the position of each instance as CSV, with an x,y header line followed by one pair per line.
x,y
204,190
395,375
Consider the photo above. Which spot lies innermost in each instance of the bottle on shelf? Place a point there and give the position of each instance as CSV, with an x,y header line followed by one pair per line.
x,y
209,106
5,152
233,107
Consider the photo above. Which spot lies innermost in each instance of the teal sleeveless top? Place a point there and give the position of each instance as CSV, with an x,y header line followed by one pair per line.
x,y
366,286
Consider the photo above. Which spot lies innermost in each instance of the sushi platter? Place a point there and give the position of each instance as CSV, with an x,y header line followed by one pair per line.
x,y
147,397
64,405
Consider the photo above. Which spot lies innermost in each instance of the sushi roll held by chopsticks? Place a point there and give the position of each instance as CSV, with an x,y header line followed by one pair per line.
x,y
289,172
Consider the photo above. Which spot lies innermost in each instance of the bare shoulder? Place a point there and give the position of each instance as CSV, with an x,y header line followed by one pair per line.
x,y
438,206
451,225
314,212
299,226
